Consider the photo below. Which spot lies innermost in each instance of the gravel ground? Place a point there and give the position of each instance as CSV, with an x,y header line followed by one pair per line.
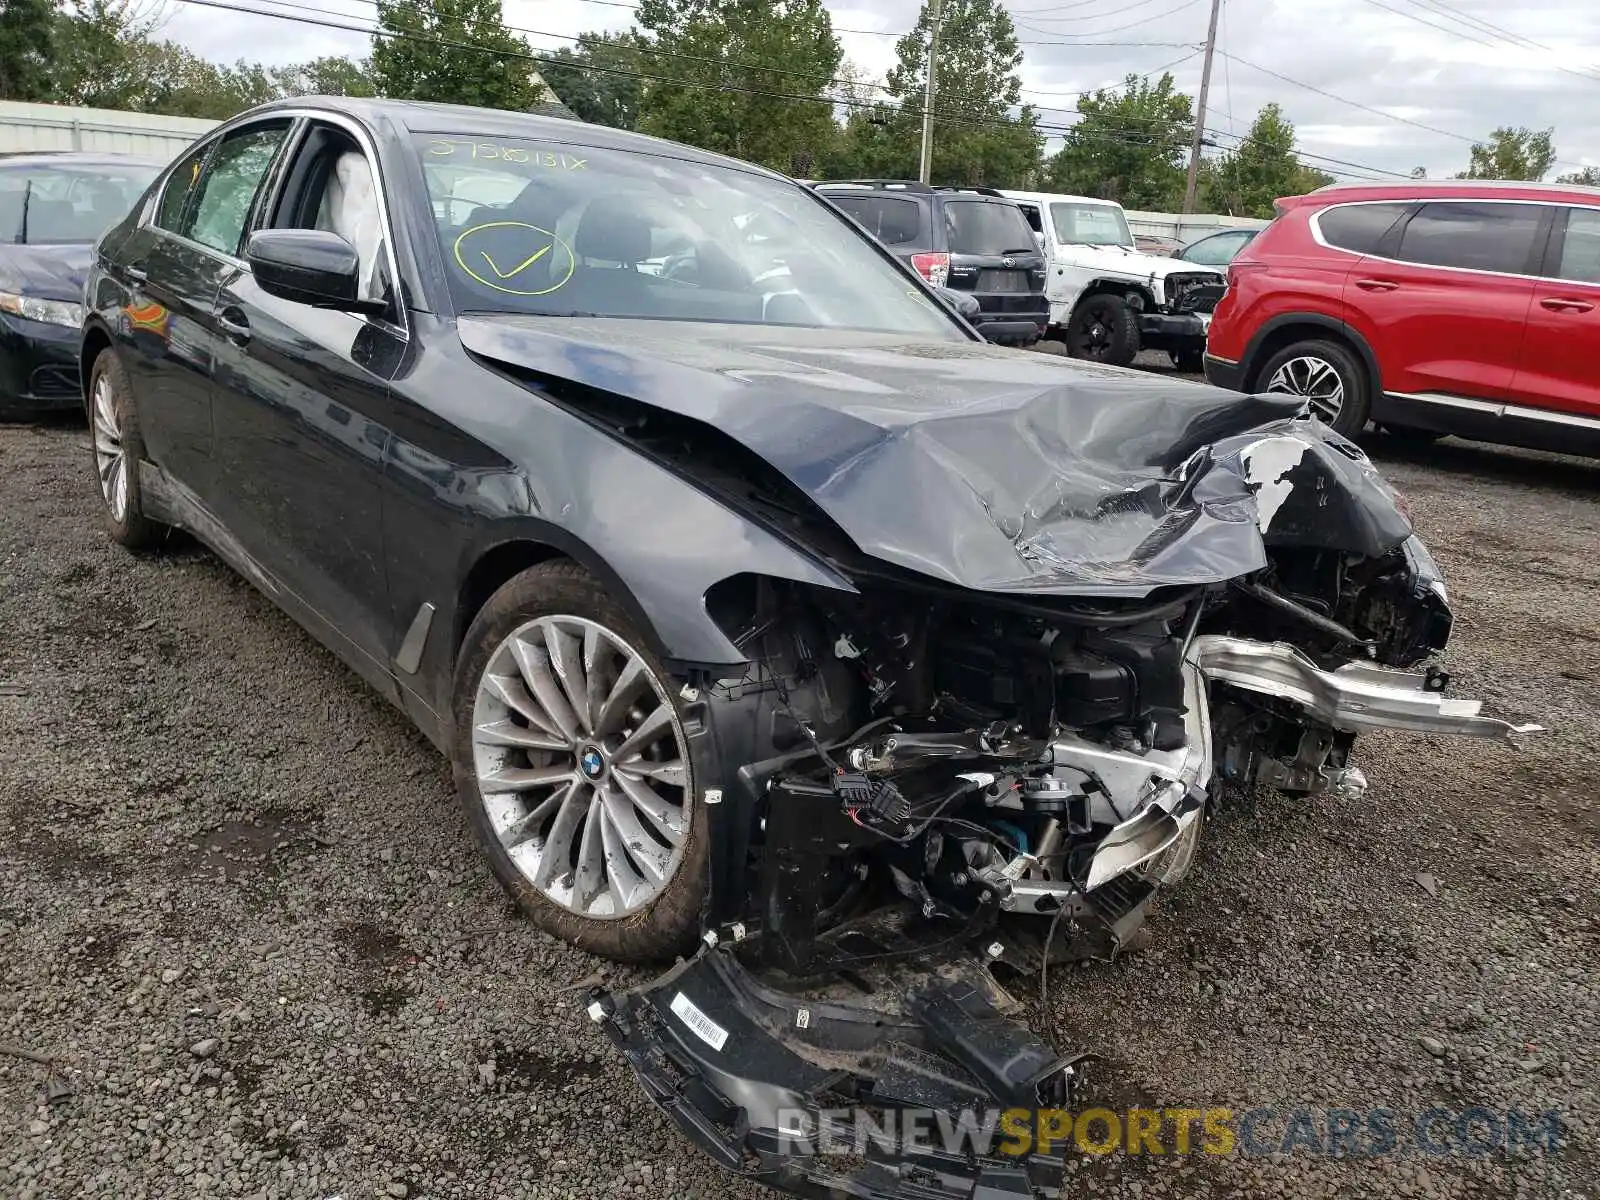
x,y
238,907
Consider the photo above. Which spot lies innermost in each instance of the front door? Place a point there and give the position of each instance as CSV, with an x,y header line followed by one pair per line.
x,y
302,413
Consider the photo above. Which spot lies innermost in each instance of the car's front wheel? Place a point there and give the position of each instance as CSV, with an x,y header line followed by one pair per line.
x,y
118,447
1103,329
573,765
1329,377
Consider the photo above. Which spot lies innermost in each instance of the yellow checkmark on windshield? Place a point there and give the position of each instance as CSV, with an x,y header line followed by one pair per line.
x,y
520,267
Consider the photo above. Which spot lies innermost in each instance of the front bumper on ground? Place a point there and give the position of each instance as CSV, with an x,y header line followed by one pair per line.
x,y
38,367
1172,331
772,1085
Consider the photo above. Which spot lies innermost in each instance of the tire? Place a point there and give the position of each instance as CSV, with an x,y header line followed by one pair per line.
x,y
1310,369
1103,329
1192,362
606,922
116,448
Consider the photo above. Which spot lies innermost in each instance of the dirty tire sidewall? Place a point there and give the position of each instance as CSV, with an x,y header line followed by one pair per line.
x,y
1121,323
670,924
135,531
1352,418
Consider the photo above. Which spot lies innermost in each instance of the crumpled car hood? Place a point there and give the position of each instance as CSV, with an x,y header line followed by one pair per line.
x,y
983,467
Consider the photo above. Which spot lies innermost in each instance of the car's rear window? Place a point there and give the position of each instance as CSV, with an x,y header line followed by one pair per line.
x,y
1359,227
893,220
567,230
987,227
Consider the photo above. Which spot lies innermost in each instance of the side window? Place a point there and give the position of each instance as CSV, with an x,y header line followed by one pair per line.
x,y
349,207
1580,252
893,220
1031,213
228,185
1217,250
1358,227
1479,237
180,186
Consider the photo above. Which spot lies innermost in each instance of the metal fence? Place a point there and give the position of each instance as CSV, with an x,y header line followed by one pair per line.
x,y
25,127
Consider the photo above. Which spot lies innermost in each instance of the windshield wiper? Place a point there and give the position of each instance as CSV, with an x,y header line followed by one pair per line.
x,y
1024,250
27,196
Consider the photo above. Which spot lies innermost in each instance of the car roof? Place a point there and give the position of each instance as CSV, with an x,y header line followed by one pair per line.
x,y
1430,189
1047,197
77,158
459,120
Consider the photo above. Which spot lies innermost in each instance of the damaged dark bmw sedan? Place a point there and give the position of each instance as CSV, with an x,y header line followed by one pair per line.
x,y
771,619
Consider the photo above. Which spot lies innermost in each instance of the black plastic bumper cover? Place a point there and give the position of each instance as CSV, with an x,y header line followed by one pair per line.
x,y
716,1050
1172,331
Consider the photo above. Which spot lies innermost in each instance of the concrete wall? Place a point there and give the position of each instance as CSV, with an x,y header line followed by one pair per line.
x,y
1187,229
26,127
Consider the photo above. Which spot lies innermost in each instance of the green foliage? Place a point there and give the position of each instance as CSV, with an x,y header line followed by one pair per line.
x,y
1130,145
1510,153
1588,177
753,78
333,75
27,49
609,95
977,138
1246,180
452,52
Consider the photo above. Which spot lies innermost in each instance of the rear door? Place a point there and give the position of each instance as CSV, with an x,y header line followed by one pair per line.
x,y
1444,300
1561,348
993,254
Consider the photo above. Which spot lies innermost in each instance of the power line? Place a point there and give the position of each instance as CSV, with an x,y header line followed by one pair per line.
x,y
1095,16
1115,28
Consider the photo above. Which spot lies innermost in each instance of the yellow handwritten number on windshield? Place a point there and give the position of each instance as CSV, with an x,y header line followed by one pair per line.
x,y
495,267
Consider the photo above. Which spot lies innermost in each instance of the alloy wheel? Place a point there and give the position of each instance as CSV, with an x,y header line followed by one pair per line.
x,y
1316,380
109,458
1091,335
582,766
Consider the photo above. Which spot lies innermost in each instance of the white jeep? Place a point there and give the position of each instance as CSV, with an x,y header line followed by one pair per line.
x,y
1108,301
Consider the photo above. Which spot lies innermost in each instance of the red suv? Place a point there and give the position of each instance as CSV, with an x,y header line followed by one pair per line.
x,y
1465,307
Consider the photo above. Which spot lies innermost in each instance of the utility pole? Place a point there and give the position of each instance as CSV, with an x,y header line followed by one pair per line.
x,y
925,167
1200,117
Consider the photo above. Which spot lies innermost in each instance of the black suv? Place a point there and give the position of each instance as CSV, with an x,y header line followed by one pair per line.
x,y
970,240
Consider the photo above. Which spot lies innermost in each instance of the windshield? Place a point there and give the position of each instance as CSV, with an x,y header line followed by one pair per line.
x,y
563,230
69,203
987,227
1090,225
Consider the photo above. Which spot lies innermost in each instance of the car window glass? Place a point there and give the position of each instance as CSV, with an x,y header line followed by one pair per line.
x,y
179,187
1090,225
985,227
228,185
1580,253
1481,237
349,207
70,203
1358,227
1030,213
893,220
570,230
1215,251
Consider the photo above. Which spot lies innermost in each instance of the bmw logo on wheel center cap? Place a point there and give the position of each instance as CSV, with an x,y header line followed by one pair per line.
x,y
591,763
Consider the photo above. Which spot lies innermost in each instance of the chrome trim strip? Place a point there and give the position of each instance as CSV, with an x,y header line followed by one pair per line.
x,y
410,656
1500,409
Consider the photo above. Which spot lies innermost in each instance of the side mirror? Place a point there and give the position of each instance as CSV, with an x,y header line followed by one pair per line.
x,y
964,303
309,266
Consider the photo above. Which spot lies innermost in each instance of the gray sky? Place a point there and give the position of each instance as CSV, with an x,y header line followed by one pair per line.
x,y
1432,62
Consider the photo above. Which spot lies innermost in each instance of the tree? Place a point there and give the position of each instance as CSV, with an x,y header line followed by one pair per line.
x,y
331,75
1512,154
1247,179
1128,145
107,54
977,137
453,52
747,78
27,49
1588,177
599,80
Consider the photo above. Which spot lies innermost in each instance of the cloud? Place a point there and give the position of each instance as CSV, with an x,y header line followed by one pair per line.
x,y
1439,65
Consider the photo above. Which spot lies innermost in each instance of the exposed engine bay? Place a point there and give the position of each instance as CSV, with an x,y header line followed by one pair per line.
x,y
934,783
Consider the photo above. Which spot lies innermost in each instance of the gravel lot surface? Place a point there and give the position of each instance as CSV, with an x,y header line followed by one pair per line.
x,y
238,906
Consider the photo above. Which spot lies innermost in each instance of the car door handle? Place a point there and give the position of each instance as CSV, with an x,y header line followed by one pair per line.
x,y
1377,285
1562,304
136,275
233,323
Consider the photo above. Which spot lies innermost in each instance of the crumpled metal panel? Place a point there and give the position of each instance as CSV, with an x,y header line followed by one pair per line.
x,y
983,467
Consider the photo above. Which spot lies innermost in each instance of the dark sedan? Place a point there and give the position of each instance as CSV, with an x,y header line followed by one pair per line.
x,y
758,603
52,208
